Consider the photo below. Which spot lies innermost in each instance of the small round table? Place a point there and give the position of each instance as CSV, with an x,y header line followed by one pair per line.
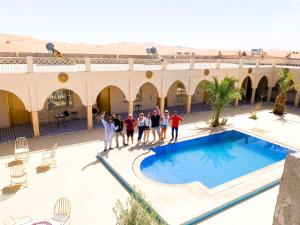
x,y
42,223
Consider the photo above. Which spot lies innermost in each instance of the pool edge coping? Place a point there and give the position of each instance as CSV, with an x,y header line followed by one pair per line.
x,y
197,219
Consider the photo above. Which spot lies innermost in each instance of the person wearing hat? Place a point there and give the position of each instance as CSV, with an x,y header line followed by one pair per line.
x,y
109,131
175,124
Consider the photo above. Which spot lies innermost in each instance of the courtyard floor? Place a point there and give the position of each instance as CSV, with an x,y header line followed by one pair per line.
x,y
93,191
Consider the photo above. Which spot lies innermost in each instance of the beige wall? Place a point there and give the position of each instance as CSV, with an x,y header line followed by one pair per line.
x,y
118,103
149,97
4,113
172,99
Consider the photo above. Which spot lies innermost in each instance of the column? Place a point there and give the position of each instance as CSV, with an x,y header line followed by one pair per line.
x,y
87,62
29,61
130,107
257,63
192,63
130,62
162,104
253,95
89,115
188,103
218,64
241,63
297,99
269,94
35,123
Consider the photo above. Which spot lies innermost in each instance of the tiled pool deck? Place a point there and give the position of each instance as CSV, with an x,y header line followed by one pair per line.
x,y
93,191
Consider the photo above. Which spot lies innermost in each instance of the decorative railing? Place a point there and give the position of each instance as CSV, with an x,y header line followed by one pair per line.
x,y
13,65
109,64
51,64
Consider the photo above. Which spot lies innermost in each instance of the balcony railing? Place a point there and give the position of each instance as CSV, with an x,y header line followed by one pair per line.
x,y
50,64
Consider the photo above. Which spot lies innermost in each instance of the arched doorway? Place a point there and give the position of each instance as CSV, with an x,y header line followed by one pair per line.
x,y
247,89
146,98
200,98
15,120
177,96
63,112
262,90
12,110
112,100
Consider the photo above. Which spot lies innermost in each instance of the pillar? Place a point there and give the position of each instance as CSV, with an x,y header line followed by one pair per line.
x,y
218,64
188,103
297,99
87,62
130,64
162,104
240,63
257,63
269,94
192,63
35,123
130,107
253,95
89,116
29,61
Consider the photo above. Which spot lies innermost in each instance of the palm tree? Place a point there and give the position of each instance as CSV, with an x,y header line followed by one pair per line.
x,y
220,95
285,84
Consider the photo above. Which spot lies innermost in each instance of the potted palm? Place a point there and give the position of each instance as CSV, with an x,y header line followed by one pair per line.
x,y
220,95
285,84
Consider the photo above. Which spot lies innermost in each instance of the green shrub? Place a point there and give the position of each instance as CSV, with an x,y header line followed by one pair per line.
x,y
133,213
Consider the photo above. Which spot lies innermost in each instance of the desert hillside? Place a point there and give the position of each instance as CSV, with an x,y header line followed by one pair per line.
x,y
19,43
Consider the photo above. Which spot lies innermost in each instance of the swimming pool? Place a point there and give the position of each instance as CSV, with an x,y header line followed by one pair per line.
x,y
212,160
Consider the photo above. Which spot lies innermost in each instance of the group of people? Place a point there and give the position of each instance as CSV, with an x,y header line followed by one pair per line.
x,y
154,121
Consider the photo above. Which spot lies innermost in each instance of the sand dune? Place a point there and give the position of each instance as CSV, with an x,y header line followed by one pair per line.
x,y
19,43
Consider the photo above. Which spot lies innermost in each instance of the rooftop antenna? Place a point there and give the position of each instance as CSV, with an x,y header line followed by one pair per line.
x,y
153,53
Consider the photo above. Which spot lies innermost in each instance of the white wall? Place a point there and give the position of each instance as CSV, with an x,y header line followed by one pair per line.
x,y
4,113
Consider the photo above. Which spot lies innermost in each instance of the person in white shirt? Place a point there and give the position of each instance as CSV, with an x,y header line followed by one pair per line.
x,y
164,124
109,131
147,127
141,126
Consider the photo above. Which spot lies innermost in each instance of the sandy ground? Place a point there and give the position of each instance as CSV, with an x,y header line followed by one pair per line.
x,y
93,191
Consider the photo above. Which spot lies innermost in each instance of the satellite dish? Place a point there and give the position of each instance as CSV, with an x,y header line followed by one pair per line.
x,y
153,50
50,47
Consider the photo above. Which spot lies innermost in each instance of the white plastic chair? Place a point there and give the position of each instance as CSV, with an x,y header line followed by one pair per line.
x,y
62,212
9,220
21,149
18,176
49,157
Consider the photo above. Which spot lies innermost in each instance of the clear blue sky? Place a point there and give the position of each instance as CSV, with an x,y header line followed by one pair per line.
x,y
226,24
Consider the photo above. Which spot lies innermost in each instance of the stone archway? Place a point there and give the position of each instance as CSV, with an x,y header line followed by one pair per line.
x,y
247,89
112,100
147,97
262,90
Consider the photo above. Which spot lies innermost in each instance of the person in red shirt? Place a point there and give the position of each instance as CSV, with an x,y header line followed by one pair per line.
x,y
175,124
130,123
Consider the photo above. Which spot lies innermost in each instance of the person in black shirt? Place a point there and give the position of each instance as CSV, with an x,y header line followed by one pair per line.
x,y
117,120
155,123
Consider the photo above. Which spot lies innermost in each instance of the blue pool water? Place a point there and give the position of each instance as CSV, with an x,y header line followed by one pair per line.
x,y
211,160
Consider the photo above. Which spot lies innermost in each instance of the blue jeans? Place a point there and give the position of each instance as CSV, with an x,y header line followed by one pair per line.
x,y
141,131
176,132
